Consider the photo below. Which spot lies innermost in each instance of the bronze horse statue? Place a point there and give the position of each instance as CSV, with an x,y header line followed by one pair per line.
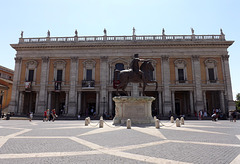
x,y
127,76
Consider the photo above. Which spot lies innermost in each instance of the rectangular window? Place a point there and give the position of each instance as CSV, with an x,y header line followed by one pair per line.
x,y
59,75
181,76
30,75
89,74
211,74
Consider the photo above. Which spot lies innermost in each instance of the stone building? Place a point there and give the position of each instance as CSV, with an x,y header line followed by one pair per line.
x,y
6,82
75,74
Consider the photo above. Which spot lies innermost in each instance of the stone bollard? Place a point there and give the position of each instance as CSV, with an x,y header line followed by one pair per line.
x,y
89,120
157,124
172,119
86,121
154,118
182,120
177,123
101,122
128,124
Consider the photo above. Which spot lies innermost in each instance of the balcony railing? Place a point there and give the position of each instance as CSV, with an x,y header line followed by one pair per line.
x,y
58,86
88,83
124,38
28,86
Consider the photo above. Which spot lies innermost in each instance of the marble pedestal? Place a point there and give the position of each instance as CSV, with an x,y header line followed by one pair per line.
x,y
138,109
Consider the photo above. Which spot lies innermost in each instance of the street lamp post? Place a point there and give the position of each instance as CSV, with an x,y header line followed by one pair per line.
x,y
1,94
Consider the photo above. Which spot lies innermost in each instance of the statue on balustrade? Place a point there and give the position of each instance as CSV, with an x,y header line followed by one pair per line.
x,y
136,74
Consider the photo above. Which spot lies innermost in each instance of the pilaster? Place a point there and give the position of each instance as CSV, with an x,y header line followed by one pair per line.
x,y
13,106
228,84
166,82
103,82
199,105
72,106
42,104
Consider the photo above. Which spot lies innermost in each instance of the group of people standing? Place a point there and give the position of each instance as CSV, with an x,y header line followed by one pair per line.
x,y
49,115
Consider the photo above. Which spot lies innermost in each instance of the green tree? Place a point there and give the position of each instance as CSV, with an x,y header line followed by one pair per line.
x,y
238,102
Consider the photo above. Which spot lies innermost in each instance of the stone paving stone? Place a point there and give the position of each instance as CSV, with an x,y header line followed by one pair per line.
x,y
5,132
119,138
19,145
57,132
193,153
198,136
65,139
93,159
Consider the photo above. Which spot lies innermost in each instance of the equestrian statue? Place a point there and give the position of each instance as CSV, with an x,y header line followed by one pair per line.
x,y
136,74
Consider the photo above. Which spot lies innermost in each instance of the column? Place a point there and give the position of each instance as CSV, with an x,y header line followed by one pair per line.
x,y
43,82
103,83
20,104
228,84
173,102
110,103
79,102
222,104
66,103
205,101
49,99
13,105
166,82
97,103
191,102
198,86
160,103
72,106
37,95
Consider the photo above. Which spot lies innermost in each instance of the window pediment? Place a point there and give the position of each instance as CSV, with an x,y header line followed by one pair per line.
x,y
59,64
180,63
32,64
210,63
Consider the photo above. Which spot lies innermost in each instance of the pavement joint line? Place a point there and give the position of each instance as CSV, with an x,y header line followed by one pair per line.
x,y
118,153
4,139
142,157
193,130
238,136
86,143
71,127
205,143
154,132
236,160
48,154
40,137
99,130
115,151
124,148
197,126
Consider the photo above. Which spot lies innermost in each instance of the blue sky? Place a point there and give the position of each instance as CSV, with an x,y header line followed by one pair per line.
x,y
148,17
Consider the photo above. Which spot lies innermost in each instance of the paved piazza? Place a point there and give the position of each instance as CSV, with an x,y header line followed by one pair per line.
x,y
64,142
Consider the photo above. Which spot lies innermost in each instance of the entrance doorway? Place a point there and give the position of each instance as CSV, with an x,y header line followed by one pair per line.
x,y
29,102
58,102
88,103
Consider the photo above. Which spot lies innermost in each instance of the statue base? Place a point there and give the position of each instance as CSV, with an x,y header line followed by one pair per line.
x,y
137,109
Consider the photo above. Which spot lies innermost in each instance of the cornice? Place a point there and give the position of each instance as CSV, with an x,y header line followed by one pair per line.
x,y
130,44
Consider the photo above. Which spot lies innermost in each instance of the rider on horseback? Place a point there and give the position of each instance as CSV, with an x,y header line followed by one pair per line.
x,y
135,66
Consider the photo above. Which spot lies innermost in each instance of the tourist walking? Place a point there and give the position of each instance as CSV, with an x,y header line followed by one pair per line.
x,y
30,116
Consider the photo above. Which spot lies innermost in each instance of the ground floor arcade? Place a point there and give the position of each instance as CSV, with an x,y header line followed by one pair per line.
x,y
89,103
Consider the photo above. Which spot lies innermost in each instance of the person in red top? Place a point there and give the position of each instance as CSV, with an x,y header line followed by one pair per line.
x,y
53,114
45,118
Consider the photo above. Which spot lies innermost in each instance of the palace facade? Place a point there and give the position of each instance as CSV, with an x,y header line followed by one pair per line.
x,y
6,82
75,75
